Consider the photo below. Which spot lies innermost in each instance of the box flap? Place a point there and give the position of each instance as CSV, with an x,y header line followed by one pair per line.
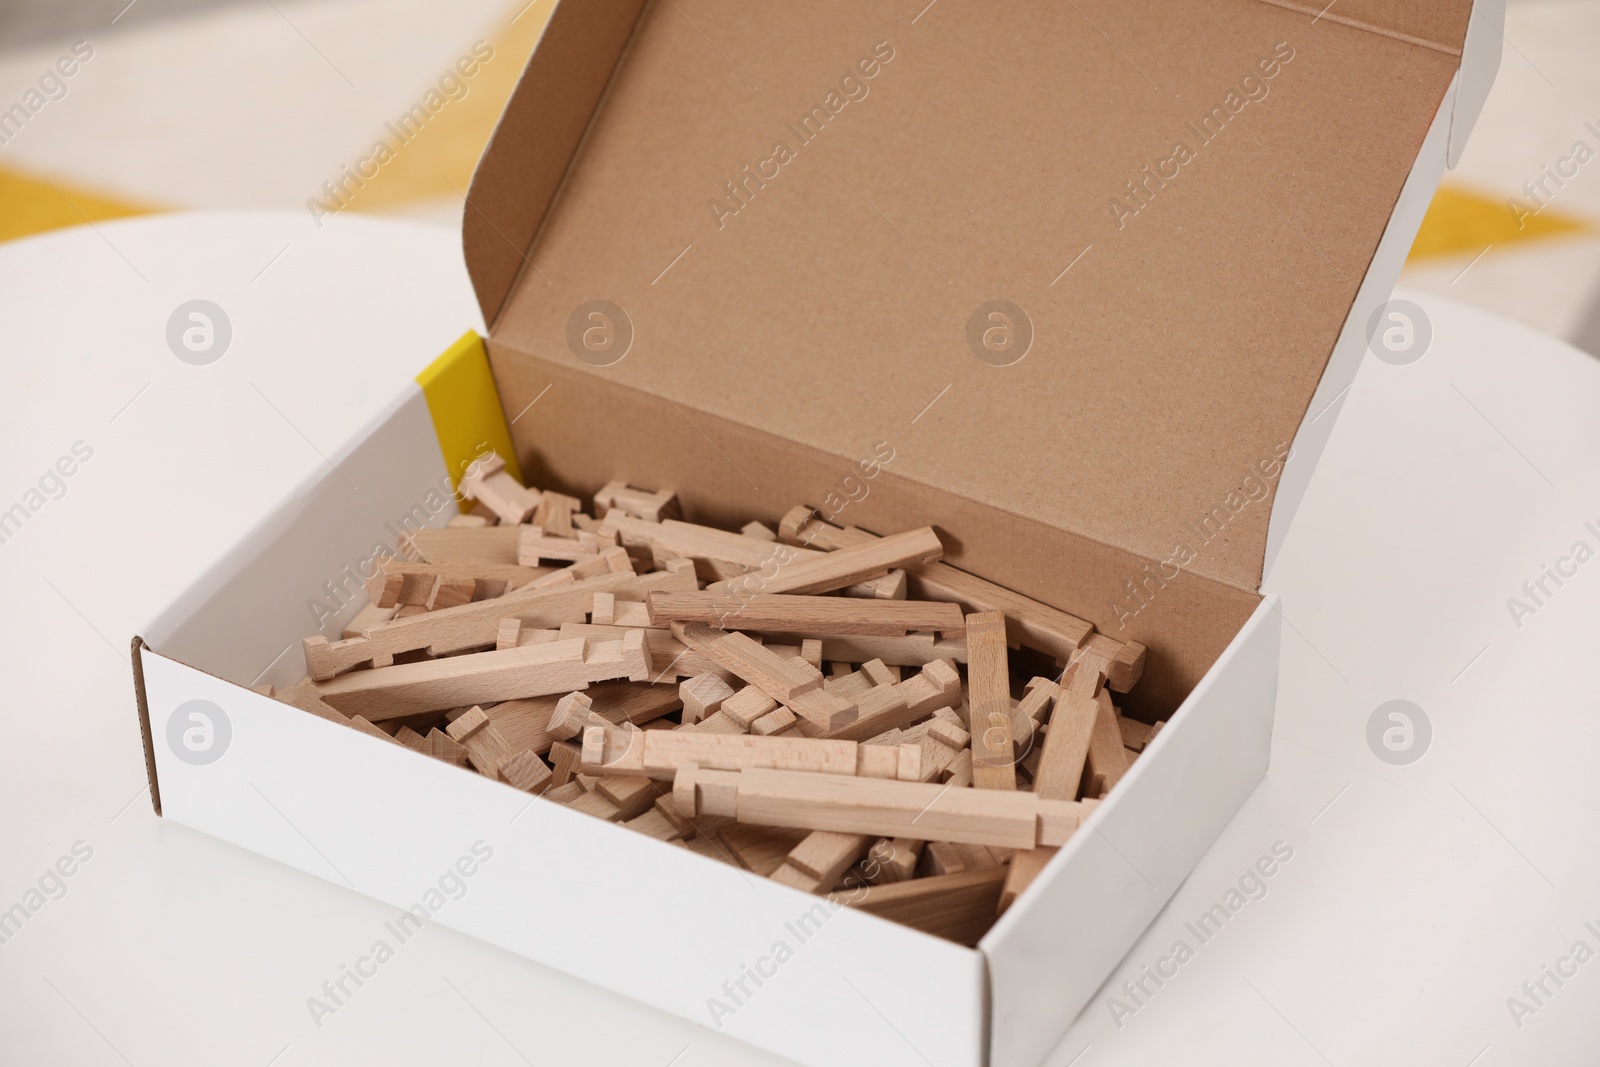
x,y
1083,263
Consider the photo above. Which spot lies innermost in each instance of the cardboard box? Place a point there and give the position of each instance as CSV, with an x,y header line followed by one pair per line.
x,y
794,240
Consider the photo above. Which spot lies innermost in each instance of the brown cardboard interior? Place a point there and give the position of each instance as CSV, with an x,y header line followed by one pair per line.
x,y
800,208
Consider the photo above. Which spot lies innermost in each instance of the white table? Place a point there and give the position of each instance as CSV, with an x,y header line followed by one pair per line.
x,y
1418,899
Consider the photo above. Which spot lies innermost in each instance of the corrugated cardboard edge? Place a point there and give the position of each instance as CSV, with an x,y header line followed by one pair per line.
x,y
143,703
496,250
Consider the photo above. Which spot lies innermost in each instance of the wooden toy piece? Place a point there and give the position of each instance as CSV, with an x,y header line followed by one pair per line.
x,y
554,513
509,634
1029,623
451,592
791,614
595,804
989,696
487,482
893,859
606,561
410,738
370,615
359,723
565,793
852,686
956,907
715,723
639,503
527,772
485,677
632,796
632,613
760,849
468,522
747,705
476,625
656,822
948,734
958,772
486,747
716,554
952,857
1026,865
818,862
880,673
910,650
565,761
937,685
775,723
537,544
442,746
399,581
778,676
883,807
492,545
1066,743
604,610
758,531
1135,734
811,652
1108,760
702,695
306,698
573,714
659,753
892,586
847,566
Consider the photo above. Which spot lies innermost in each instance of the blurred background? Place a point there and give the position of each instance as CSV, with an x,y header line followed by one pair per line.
x,y
173,104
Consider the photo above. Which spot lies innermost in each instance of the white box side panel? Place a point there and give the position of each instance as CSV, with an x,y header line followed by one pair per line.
x,y
244,618
564,889
1317,424
1054,946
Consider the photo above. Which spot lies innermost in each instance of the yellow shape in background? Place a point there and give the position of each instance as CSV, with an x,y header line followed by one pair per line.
x,y
465,406
1460,222
34,205
439,160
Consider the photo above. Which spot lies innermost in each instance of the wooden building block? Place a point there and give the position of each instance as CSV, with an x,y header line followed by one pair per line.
x,y
485,677
881,673
564,793
1134,733
779,677
760,849
774,723
410,738
399,581
632,796
487,482
715,723
486,746
847,566
536,545
357,722
747,705
893,859
565,761
1026,863
716,554
948,734
937,685
702,695
1066,743
791,614
659,753
306,698
652,823
758,531
639,503
370,615
852,686
508,635
959,771
471,522
878,806
604,611
989,697
451,592
492,545
1107,759
573,714
818,862
476,625
1029,623
957,907
527,772
554,513
442,746
595,804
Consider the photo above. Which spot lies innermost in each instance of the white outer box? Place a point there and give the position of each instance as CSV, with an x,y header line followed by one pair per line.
x,y
562,888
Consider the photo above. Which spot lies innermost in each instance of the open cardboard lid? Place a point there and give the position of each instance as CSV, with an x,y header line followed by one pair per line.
x,y
807,213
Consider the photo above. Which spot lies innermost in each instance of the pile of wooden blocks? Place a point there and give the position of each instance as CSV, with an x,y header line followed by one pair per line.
x,y
826,707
